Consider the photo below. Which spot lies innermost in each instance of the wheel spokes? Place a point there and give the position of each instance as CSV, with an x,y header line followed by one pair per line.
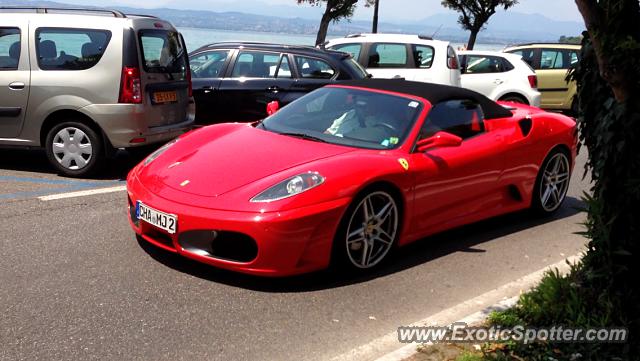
x,y
555,181
368,240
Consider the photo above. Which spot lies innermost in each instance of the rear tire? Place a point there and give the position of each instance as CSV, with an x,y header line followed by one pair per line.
x,y
74,149
514,98
552,183
368,231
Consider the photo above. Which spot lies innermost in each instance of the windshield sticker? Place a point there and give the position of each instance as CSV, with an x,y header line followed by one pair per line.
x,y
385,143
414,104
394,140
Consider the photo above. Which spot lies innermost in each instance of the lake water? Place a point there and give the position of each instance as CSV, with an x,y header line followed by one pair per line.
x,y
196,38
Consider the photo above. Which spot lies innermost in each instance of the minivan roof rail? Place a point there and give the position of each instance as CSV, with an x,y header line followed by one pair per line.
x,y
142,16
46,10
260,43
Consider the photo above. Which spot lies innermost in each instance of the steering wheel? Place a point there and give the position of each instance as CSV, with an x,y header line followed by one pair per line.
x,y
387,126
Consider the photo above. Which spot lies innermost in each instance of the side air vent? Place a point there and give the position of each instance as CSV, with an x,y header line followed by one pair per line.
x,y
525,126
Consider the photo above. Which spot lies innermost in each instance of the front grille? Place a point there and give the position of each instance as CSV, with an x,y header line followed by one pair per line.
x,y
159,237
132,212
231,246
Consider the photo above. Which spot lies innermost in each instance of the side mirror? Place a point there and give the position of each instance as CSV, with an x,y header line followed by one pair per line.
x,y
273,107
439,140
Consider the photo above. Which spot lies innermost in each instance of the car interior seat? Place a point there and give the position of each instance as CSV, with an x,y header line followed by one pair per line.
x,y
242,70
14,54
374,60
90,51
48,52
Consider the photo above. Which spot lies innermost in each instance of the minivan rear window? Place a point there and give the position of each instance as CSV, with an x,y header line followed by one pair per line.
x,y
162,52
70,48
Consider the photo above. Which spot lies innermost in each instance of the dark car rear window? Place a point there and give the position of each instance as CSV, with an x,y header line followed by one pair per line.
x,y
356,69
162,52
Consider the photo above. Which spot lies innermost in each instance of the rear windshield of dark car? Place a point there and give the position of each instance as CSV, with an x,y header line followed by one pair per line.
x,y
355,68
162,52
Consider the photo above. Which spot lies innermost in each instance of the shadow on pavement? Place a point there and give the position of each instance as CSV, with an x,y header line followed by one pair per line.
x,y
115,168
462,239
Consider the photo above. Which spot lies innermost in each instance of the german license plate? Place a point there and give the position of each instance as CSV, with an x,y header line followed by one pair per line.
x,y
165,97
165,221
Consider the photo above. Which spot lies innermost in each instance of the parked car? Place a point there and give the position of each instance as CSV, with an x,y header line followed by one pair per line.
x,y
412,57
552,63
499,76
346,173
82,82
235,80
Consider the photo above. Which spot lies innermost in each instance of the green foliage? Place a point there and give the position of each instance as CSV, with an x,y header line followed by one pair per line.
x,y
336,10
559,301
474,14
570,39
469,356
604,289
611,132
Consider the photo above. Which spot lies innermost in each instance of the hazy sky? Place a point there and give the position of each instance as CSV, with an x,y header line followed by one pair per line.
x,y
390,10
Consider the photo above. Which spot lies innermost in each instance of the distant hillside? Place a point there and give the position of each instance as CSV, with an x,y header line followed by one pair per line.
x,y
509,27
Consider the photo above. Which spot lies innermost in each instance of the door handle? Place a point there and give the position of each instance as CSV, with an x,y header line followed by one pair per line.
x,y
274,89
207,89
17,85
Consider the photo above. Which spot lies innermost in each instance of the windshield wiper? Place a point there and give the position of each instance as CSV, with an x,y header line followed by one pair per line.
x,y
305,136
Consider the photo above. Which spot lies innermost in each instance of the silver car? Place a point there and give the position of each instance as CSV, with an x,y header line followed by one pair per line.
x,y
82,83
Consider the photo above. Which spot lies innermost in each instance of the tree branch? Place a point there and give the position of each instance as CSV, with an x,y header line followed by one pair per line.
x,y
594,20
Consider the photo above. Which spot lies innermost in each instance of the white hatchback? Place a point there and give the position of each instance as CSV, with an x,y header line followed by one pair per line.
x,y
412,57
500,76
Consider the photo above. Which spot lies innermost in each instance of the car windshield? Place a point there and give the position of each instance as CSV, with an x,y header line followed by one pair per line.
x,y
347,116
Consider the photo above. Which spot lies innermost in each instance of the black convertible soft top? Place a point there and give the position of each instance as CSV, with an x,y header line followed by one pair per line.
x,y
434,93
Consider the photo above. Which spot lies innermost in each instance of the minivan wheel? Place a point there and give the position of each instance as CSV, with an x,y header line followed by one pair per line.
x,y
368,231
74,149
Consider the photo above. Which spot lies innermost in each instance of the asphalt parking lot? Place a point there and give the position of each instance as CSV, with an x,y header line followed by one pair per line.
x,y
77,285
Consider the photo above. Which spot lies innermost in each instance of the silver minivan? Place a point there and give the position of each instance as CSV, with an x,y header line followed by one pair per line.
x,y
81,83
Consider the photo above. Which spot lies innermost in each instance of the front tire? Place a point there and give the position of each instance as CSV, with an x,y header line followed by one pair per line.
x,y
368,231
552,183
74,149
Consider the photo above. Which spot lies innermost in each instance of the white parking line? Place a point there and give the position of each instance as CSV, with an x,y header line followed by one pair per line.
x,y
82,193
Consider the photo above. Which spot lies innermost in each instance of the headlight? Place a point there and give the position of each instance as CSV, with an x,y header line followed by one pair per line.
x,y
159,151
290,187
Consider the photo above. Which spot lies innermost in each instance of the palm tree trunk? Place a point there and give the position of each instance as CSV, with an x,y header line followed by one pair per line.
x,y
324,27
374,29
472,39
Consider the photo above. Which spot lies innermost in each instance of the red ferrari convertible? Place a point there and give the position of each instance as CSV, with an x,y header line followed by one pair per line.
x,y
347,173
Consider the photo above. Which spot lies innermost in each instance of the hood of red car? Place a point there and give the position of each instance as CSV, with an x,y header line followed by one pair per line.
x,y
218,159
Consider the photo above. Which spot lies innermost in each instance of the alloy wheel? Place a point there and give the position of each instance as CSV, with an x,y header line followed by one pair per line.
x,y
555,182
372,230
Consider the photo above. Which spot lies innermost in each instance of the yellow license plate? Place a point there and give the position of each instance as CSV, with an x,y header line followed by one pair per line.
x,y
165,97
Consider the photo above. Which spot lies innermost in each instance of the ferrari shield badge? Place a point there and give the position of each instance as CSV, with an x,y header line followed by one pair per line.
x,y
403,162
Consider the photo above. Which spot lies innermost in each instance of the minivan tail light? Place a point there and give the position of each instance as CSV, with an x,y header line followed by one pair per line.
x,y
533,81
452,59
130,88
